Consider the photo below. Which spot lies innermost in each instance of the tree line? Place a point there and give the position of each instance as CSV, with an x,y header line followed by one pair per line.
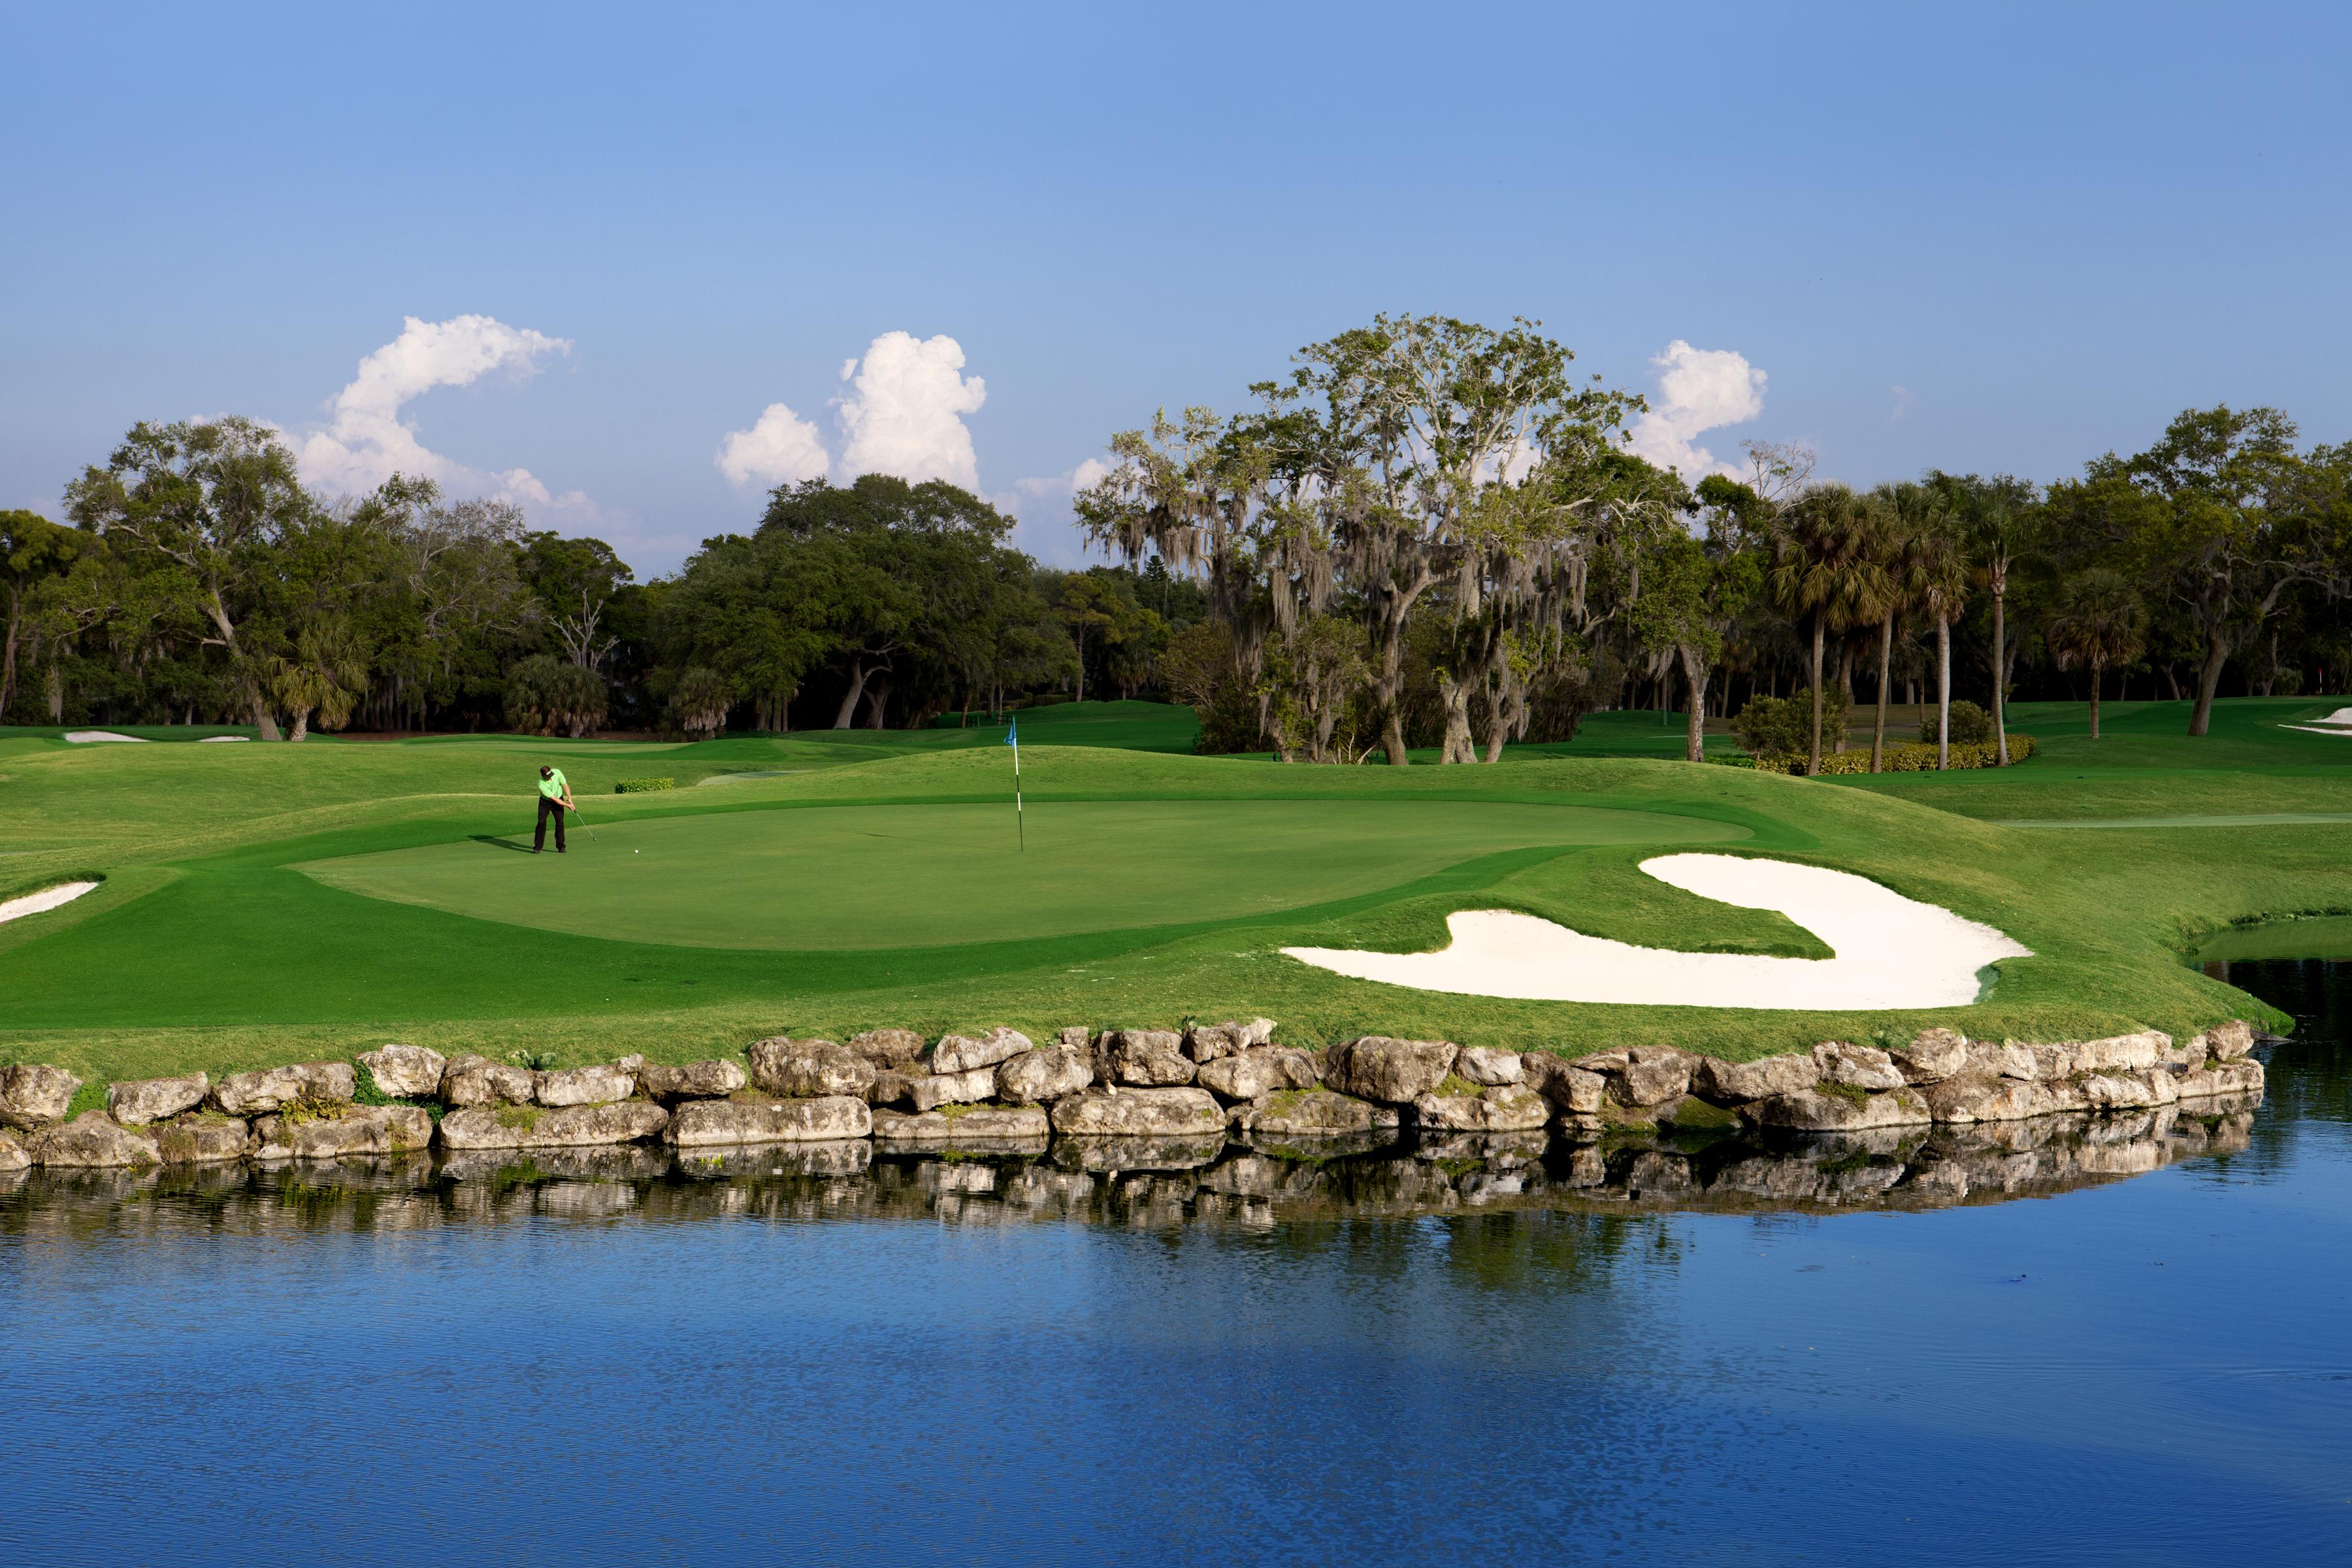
x,y
1425,534
196,580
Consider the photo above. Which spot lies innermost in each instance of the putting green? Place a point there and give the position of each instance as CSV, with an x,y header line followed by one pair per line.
x,y
862,877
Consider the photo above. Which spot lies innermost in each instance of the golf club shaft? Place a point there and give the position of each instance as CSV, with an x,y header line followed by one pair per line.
x,y
583,822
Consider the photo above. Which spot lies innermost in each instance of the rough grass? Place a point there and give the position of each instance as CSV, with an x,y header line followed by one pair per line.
x,y
206,947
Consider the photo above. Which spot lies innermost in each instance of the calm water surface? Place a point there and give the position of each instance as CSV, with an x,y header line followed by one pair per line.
x,y
1738,1354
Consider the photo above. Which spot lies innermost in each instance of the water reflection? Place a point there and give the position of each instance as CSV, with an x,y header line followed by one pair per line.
x,y
1141,1182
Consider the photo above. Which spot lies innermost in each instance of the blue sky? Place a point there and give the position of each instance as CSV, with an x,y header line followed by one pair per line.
x,y
1977,237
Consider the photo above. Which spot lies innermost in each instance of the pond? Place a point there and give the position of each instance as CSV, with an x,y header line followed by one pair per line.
x,y
2116,1339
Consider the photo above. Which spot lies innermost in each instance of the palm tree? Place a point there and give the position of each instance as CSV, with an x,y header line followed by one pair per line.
x,y
1822,567
329,674
1999,516
2100,621
1911,516
1943,578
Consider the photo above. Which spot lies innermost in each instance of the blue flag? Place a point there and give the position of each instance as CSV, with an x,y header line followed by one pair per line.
x,y
1012,734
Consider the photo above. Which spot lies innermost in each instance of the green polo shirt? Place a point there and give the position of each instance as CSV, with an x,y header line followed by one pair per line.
x,y
553,786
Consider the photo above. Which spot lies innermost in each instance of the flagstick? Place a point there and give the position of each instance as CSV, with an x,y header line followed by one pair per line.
x,y
1019,823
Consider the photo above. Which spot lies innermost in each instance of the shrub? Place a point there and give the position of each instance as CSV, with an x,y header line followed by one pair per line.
x,y
1911,757
1971,725
1198,667
546,695
640,786
1783,726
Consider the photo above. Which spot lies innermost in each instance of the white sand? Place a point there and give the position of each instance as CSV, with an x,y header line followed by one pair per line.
x,y
1891,951
216,740
46,899
85,737
2336,723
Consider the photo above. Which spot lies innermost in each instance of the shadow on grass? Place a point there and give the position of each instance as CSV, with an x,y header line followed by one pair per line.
x,y
495,842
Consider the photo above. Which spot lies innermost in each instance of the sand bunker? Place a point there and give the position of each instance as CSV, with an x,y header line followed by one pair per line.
x,y
46,899
1891,951
216,740
88,737
2336,723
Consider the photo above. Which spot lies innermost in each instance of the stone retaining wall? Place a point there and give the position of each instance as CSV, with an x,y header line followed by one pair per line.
x,y
1246,1179
1001,1089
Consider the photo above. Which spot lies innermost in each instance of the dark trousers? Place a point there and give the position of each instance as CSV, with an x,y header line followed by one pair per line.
x,y
547,808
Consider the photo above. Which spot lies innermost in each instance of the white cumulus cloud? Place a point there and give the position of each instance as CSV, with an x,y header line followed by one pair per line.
x,y
901,413
904,412
781,448
1698,390
367,441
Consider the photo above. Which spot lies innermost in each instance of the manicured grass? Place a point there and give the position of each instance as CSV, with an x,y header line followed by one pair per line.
x,y
828,884
926,874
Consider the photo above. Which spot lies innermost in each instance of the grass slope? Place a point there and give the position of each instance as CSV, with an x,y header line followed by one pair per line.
x,y
1158,885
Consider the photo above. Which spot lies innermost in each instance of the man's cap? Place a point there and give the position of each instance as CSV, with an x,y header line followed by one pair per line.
x,y
545,772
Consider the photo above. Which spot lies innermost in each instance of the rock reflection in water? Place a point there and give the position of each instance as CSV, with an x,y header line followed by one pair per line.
x,y
1145,1181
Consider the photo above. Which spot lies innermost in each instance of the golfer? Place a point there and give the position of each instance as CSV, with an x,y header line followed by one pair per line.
x,y
554,800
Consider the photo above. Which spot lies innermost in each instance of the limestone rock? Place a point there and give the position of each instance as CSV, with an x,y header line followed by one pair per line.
x,y
1149,1058
966,1125
934,1089
470,1081
1097,1111
405,1072
206,1139
91,1139
891,1086
1571,1089
889,1048
32,1098
359,1129
274,1089
1259,1070
2229,1041
1506,1107
1735,1083
960,1053
13,1157
1933,1057
1261,1031
708,1123
144,1100
1075,1035
585,1086
2122,1053
568,1127
1307,1113
2007,1059
1212,1042
1653,1075
806,1069
1490,1065
1044,1074
2126,1090
1857,1067
714,1079
1978,1099
1818,1110
1398,1072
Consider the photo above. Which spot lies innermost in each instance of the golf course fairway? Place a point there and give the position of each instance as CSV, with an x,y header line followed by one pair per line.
x,y
854,877
261,904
